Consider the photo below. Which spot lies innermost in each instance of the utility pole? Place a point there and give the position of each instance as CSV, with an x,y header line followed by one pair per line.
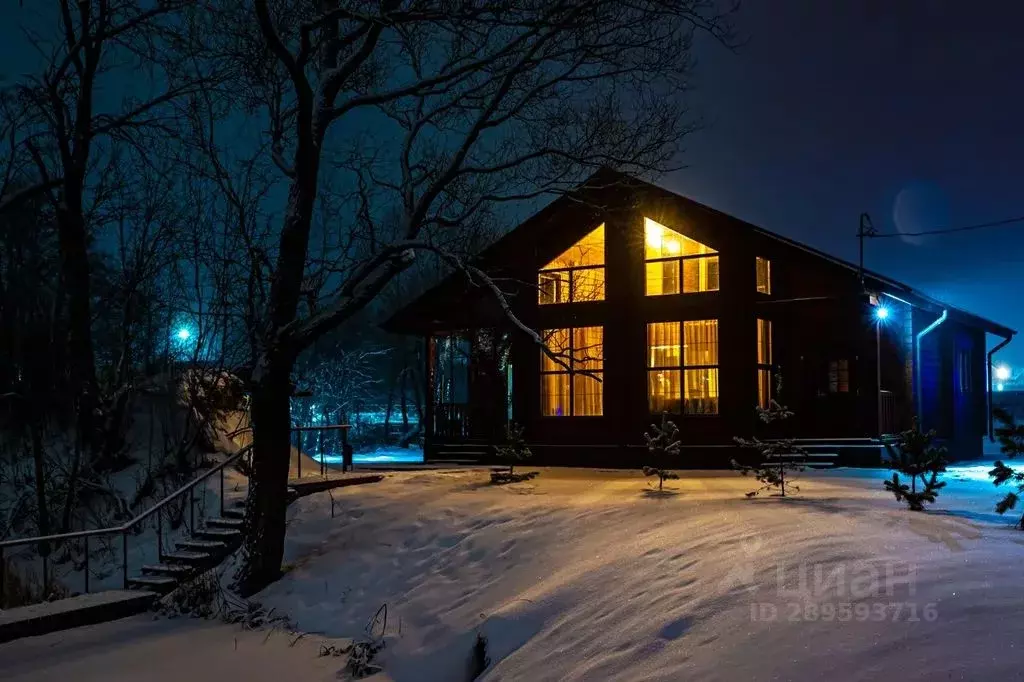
x,y
866,229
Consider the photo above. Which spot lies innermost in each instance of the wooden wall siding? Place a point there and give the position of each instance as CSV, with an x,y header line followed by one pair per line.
x,y
817,308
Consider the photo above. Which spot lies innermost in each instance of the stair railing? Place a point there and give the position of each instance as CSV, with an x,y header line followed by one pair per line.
x,y
124,530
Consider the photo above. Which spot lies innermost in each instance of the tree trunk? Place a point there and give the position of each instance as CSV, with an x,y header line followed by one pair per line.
x,y
74,261
268,483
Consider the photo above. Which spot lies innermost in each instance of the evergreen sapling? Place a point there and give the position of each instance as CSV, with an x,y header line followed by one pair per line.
x,y
662,444
778,457
914,455
1010,435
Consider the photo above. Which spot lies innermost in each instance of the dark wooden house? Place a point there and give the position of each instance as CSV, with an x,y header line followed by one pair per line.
x,y
650,303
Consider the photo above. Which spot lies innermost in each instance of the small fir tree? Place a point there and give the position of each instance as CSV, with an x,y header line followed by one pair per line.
x,y
780,458
914,454
1010,435
662,444
514,449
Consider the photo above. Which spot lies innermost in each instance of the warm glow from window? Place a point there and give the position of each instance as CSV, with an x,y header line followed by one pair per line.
x,y
572,385
683,377
577,274
764,362
675,263
839,376
764,275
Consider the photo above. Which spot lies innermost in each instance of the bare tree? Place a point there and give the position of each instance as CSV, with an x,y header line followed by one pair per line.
x,y
73,119
413,120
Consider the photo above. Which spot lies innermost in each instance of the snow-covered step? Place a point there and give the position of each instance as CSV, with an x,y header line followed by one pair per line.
x,y
188,557
206,546
236,513
169,570
157,583
224,522
222,534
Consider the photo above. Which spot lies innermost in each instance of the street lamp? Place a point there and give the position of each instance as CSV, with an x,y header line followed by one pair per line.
x,y
1003,373
881,315
183,334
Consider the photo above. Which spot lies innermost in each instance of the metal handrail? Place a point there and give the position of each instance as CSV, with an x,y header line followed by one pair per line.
x,y
125,529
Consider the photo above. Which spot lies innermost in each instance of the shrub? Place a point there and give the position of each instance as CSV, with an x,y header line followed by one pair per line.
x,y
914,455
514,449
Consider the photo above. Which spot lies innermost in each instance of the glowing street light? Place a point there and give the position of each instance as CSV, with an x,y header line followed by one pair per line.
x,y
1003,372
882,313
184,334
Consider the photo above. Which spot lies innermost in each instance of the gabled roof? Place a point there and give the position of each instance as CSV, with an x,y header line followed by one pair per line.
x,y
592,191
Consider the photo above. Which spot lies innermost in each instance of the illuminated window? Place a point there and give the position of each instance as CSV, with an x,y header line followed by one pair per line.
x,y
575,275
572,384
683,377
839,376
764,362
764,275
677,264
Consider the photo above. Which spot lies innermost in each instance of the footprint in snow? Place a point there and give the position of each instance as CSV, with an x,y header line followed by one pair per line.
x,y
675,629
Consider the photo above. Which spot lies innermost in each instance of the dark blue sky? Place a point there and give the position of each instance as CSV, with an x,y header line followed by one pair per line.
x,y
909,110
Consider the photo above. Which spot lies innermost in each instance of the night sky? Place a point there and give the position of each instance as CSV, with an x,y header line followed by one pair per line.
x,y
908,110
911,111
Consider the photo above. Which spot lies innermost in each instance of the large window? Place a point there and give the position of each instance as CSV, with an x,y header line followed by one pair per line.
x,y
764,275
764,363
677,264
682,367
572,385
575,275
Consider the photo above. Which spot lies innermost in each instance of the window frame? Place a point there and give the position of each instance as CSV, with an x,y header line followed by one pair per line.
x,y
572,284
571,372
571,270
767,288
679,275
682,368
765,329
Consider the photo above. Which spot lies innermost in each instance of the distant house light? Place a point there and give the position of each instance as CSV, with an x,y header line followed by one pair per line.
x,y
999,387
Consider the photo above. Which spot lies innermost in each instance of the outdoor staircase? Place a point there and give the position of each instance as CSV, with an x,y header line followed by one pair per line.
x,y
205,548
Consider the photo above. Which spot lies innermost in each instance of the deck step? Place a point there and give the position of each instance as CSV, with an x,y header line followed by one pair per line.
x,y
156,583
223,522
187,557
222,534
170,570
201,545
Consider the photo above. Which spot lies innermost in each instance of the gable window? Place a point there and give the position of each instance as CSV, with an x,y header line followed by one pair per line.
x,y
764,363
682,367
575,275
675,263
764,275
572,387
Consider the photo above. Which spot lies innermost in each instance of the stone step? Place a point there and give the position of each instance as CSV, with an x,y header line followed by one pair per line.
x,y
188,557
223,522
157,583
169,570
226,535
238,513
205,546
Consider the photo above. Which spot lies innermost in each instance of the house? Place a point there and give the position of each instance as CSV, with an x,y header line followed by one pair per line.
x,y
650,303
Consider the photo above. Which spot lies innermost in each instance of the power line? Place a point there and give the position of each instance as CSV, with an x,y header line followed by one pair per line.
x,y
948,230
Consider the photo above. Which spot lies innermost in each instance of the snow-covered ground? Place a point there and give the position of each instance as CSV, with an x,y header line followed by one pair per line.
x,y
592,575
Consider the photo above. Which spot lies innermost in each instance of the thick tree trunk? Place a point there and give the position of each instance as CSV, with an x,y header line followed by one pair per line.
x,y
74,261
268,483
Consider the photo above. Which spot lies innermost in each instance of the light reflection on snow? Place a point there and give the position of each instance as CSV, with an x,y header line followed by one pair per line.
x,y
378,456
